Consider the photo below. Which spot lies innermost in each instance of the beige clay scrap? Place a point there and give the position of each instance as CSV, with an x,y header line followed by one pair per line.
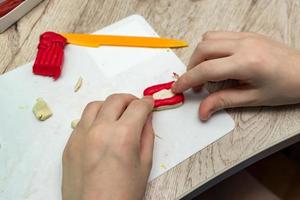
x,y
163,94
74,123
78,84
41,110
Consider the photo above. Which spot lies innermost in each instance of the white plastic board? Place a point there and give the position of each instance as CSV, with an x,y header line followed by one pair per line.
x,y
30,151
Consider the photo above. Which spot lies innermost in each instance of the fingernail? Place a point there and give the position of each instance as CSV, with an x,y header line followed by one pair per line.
x,y
203,119
209,115
206,118
211,112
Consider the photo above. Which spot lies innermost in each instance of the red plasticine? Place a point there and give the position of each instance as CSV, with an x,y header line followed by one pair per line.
x,y
176,99
50,55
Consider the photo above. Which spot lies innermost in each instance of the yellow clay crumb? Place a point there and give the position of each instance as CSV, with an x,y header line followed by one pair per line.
x,y
158,136
78,84
41,110
74,123
162,166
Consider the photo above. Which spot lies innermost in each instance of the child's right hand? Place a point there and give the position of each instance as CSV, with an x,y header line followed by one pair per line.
x,y
268,72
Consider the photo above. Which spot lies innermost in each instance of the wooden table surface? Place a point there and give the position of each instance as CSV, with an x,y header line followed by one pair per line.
x,y
258,132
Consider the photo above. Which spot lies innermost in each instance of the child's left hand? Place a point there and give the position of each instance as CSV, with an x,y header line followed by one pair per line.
x,y
109,154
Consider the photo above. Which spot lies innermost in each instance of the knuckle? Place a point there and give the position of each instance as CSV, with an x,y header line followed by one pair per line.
x,y
124,129
125,141
208,35
98,129
255,60
141,104
113,97
251,42
202,46
223,102
92,105
254,52
97,138
120,97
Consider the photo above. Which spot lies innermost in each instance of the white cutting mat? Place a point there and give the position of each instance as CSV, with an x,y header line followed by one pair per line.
x,y
30,151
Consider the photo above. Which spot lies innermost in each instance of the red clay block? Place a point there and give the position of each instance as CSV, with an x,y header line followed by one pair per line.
x,y
50,55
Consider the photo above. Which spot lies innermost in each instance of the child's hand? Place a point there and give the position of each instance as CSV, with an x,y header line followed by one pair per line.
x,y
109,154
268,72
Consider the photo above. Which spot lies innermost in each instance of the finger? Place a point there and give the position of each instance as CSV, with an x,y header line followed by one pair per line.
x,y
227,35
147,142
114,106
228,98
211,50
137,113
211,70
89,114
198,88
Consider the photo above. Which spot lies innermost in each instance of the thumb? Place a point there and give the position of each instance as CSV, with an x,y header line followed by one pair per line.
x,y
227,98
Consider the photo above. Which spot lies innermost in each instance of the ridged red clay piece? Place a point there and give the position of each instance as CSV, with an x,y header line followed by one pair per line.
x,y
50,55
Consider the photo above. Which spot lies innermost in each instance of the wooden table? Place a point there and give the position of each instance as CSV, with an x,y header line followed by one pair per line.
x,y
259,131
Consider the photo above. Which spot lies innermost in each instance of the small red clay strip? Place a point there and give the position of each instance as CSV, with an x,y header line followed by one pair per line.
x,y
50,55
155,88
176,99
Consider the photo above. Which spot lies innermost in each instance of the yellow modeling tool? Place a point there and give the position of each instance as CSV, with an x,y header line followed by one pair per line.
x,y
129,41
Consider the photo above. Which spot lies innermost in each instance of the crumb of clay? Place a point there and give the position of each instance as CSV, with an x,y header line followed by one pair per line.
x,y
78,84
41,110
157,136
162,166
74,123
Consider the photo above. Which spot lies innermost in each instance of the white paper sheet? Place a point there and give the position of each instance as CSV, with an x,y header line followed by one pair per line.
x,y
30,151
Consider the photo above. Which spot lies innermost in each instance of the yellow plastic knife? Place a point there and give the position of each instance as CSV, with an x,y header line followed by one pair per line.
x,y
91,40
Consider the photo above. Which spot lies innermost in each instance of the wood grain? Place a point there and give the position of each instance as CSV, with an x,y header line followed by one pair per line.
x,y
257,129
